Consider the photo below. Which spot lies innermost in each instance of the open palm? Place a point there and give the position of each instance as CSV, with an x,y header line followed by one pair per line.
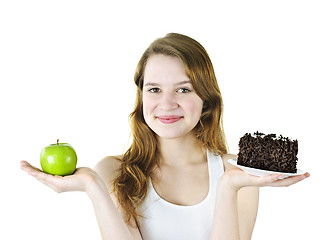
x,y
78,181
239,179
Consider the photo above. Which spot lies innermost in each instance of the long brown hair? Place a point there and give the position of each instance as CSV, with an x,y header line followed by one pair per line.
x,y
131,184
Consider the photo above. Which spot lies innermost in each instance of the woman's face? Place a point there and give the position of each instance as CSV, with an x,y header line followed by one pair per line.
x,y
171,107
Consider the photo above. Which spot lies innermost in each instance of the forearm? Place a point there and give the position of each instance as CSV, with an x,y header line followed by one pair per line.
x,y
225,223
111,223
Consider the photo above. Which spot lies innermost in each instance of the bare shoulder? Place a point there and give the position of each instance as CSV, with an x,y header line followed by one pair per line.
x,y
225,158
107,168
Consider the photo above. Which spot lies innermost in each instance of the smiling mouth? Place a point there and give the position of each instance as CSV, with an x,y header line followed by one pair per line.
x,y
169,119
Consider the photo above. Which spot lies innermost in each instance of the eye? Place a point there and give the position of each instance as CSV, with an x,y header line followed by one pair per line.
x,y
183,90
154,90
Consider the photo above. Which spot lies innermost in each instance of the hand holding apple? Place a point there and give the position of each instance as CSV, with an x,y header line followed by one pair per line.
x,y
58,159
58,162
83,178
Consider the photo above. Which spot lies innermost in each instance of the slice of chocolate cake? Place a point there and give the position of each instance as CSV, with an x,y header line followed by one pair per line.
x,y
268,152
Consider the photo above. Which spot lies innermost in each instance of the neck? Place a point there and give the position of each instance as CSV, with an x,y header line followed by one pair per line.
x,y
181,151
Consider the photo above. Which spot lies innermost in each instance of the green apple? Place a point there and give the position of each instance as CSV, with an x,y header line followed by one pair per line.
x,y
58,159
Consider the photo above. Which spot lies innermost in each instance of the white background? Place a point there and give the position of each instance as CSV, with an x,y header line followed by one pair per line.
x,y
66,71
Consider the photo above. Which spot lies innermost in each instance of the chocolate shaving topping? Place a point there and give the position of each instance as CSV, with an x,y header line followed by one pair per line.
x,y
268,152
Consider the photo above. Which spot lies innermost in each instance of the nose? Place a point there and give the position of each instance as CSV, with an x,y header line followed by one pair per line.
x,y
168,102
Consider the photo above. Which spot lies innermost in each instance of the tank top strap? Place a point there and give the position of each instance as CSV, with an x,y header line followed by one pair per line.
x,y
216,168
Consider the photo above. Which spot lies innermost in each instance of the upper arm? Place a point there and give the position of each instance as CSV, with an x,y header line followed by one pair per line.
x,y
107,169
247,204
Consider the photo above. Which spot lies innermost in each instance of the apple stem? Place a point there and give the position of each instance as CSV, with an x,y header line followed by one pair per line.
x,y
57,141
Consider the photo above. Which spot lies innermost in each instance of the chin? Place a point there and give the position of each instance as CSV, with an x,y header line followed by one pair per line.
x,y
171,131
172,134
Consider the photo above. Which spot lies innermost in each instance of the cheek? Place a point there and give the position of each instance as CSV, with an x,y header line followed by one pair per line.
x,y
148,106
194,106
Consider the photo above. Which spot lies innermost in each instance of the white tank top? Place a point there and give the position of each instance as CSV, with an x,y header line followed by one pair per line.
x,y
166,221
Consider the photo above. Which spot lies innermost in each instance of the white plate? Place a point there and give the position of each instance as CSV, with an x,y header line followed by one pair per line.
x,y
260,172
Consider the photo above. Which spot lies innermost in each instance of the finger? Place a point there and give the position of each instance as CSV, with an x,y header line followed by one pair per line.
x,y
307,174
47,179
29,168
24,165
23,162
289,181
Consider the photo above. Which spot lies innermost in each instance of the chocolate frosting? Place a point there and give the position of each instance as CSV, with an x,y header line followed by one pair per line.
x,y
268,152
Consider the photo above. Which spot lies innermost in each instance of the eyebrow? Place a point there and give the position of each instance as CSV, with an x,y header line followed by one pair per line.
x,y
176,84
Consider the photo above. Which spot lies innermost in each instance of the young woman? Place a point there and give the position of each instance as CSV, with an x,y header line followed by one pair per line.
x,y
174,181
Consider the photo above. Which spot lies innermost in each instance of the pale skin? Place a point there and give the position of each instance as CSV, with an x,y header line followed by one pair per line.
x,y
183,176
